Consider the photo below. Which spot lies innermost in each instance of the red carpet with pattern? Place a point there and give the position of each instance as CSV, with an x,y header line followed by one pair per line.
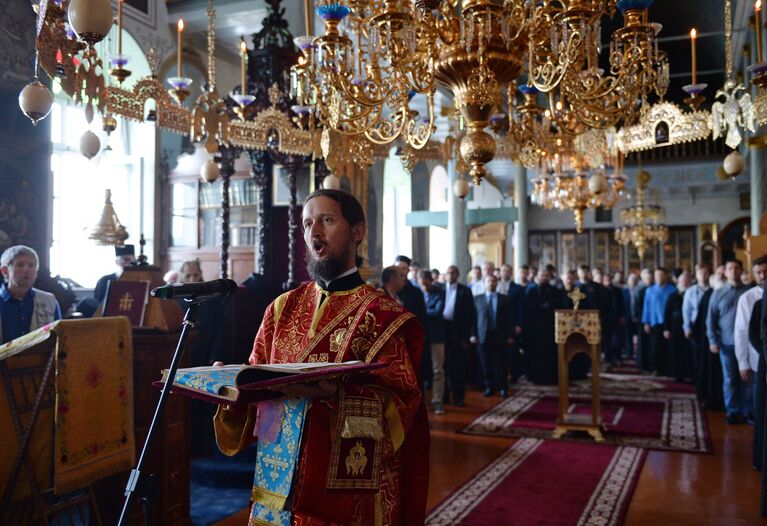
x,y
547,482
655,420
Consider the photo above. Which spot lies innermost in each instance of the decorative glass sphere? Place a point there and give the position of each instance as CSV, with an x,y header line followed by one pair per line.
x,y
461,188
35,100
210,171
331,182
734,163
89,144
91,19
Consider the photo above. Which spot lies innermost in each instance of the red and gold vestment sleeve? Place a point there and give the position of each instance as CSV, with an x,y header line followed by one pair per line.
x,y
234,427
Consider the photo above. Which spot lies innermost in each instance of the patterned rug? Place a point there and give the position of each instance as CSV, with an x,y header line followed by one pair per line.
x,y
560,484
654,420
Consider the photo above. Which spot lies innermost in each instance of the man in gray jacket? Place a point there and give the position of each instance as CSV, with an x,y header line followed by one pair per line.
x,y
23,308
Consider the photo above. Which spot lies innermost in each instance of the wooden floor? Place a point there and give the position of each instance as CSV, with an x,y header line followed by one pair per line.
x,y
675,489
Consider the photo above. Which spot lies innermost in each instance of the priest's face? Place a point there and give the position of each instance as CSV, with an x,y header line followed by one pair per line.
x,y
331,241
760,274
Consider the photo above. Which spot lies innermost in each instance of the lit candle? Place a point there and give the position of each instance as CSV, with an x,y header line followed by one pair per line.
x,y
308,10
758,16
243,56
693,38
119,27
180,27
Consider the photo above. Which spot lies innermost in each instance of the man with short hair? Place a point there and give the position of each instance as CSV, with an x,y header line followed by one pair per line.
x,y
493,333
653,319
746,355
434,297
392,281
460,316
124,257
412,298
643,339
23,308
630,294
720,326
336,318
507,278
523,277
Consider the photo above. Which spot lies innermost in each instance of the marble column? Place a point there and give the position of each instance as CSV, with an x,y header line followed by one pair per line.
x,y
757,173
456,224
521,253
757,154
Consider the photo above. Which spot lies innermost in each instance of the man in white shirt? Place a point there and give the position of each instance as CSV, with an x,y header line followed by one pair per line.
x,y
507,278
747,356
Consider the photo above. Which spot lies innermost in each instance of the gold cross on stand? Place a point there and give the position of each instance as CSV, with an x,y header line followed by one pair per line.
x,y
577,296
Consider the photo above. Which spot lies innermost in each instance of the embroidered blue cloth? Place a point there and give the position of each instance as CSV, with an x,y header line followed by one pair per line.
x,y
275,464
209,379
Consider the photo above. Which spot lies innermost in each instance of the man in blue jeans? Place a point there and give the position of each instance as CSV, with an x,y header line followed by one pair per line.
x,y
720,327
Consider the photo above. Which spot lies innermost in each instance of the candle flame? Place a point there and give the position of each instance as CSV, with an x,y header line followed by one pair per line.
x,y
693,34
758,5
243,47
180,24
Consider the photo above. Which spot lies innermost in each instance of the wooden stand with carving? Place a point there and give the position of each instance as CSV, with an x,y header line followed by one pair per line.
x,y
578,332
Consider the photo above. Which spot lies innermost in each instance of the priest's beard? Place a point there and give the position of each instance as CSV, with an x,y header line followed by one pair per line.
x,y
325,269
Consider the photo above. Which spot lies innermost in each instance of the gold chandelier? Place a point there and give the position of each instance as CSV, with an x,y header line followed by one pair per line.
x,y
564,61
585,172
372,58
642,222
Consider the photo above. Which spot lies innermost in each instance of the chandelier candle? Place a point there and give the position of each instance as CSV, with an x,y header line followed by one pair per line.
x,y
119,27
758,20
243,56
180,27
693,39
308,19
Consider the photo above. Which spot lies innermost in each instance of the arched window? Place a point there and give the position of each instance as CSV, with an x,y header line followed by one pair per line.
x,y
397,203
124,165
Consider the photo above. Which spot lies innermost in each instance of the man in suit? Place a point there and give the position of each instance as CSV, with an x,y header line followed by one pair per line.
x,y
516,294
459,315
630,294
411,298
494,333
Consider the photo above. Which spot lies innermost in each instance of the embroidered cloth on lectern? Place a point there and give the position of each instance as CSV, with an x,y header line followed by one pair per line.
x,y
275,465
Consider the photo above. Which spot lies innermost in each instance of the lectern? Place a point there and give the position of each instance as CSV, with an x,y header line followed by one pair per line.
x,y
578,332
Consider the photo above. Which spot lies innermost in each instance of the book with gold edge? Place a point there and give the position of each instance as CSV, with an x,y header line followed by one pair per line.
x,y
236,384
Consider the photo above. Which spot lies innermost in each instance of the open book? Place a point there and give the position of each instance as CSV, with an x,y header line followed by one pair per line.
x,y
229,384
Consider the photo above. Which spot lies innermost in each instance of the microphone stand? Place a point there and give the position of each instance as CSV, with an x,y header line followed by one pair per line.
x,y
140,484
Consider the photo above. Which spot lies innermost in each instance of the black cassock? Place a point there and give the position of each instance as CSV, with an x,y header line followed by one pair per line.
x,y
540,304
680,366
708,378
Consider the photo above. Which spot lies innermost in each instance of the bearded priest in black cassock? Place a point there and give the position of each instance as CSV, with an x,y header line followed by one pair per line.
x,y
540,304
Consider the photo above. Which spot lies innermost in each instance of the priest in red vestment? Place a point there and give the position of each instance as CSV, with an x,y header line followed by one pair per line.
x,y
353,452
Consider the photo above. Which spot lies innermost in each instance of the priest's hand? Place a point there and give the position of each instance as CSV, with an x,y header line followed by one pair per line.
x,y
667,335
688,334
509,341
473,340
647,328
714,348
517,330
746,375
321,389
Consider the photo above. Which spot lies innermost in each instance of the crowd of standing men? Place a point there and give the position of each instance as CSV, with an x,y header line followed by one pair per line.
x,y
709,329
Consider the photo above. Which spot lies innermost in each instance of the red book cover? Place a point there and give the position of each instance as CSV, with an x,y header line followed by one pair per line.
x,y
127,298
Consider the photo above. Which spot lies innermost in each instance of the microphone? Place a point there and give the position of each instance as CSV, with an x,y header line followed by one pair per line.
x,y
218,288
